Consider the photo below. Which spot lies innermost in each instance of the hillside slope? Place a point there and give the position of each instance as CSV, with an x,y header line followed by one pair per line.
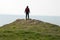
x,y
29,30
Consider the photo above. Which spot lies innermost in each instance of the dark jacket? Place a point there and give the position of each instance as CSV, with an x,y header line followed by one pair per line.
x,y
27,10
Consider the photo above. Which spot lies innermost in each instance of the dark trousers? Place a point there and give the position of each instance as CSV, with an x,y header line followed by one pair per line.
x,y
27,16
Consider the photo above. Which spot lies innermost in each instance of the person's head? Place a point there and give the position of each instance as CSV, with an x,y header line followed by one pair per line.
x,y
27,6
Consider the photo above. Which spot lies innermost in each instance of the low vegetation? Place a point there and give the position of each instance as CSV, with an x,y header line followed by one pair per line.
x,y
29,30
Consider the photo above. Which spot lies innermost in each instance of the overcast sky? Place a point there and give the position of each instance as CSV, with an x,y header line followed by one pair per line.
x,y
37,7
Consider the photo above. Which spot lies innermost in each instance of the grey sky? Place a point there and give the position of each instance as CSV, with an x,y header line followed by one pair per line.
x,y
37,7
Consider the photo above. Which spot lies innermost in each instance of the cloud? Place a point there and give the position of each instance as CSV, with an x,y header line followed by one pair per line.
x,y
37,7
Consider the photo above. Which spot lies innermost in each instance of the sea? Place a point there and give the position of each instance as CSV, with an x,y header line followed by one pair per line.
x,y
6,19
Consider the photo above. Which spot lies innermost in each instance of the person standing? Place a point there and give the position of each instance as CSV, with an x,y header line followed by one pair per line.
x,y
27,11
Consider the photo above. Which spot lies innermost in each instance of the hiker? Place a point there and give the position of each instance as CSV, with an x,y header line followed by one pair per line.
x,y
27,11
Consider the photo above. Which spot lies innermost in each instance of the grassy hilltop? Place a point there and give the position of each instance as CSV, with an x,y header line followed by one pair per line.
x,y
29,30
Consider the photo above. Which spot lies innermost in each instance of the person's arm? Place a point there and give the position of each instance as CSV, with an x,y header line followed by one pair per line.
x,y
29,10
